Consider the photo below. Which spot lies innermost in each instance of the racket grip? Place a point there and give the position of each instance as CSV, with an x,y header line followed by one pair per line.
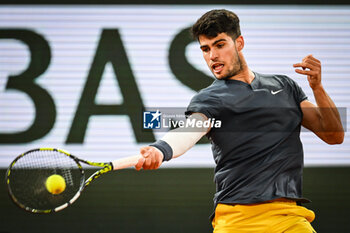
x,y
126,162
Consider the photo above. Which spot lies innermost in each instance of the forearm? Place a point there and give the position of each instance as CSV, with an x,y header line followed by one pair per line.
x,y
329,116
323,119
175,143
181,141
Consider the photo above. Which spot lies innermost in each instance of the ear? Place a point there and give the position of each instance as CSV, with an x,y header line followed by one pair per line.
x,y
239,43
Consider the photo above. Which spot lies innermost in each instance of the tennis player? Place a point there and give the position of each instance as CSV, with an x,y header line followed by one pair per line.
x,y
257,149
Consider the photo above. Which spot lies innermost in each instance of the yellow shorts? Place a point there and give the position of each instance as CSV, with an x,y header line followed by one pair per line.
x,y
270,217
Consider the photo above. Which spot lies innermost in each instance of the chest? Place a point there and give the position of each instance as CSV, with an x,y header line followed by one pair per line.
x,y
260,96
262,108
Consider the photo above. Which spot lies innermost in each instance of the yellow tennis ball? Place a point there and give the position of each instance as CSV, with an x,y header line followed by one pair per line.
x,y
55,184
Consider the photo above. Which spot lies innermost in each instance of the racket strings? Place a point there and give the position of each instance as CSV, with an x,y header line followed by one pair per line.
x,y
28,175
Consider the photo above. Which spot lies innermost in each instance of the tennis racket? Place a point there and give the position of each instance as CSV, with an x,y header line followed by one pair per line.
x,y
27,175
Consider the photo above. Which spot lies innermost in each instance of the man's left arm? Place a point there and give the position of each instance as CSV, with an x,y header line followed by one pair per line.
x,y
323,119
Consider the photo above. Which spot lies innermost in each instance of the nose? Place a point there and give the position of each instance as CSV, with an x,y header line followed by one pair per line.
x,y
213,54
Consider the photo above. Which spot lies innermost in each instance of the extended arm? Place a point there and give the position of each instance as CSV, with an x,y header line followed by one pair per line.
x,y
323,119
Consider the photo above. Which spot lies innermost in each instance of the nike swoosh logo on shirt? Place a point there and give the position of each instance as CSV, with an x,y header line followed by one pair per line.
x,y
275,92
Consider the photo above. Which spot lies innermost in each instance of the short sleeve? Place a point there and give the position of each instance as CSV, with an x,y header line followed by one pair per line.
x,y
204,103
298,92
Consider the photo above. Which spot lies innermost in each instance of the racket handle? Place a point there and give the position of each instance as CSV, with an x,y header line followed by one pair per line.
x,y
126,162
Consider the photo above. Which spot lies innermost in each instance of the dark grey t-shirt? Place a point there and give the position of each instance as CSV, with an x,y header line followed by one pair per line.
x,y
257,150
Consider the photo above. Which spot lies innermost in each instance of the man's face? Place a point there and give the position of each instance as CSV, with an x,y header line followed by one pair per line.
x,y
221,55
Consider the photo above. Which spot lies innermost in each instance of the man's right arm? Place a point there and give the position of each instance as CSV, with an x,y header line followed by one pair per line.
x,y
179,140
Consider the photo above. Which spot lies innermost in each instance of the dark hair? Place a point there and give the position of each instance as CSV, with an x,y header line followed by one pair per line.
x,y
215,22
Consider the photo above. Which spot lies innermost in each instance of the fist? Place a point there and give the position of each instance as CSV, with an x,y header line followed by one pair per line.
x,y
151,158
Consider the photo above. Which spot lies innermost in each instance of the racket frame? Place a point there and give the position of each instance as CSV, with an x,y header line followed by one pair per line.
x,y
106,167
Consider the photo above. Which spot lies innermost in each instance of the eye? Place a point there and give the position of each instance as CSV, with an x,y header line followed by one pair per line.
x,y
205,49
220,45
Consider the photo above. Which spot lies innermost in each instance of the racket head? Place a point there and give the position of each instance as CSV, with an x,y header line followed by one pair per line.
x,y
27,174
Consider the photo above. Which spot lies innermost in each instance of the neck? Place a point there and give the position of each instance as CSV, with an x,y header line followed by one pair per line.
x,y
245,75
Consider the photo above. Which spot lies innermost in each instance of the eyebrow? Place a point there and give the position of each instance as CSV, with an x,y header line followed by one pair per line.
x,y
214,43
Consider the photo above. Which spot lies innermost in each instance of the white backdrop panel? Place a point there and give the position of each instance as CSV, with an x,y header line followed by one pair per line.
x,y
275,36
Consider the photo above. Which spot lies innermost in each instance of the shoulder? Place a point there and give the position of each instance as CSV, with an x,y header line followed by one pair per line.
x,y
276,80
211,92
207,101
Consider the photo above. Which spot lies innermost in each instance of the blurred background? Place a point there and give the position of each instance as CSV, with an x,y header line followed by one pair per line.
x,y
77,75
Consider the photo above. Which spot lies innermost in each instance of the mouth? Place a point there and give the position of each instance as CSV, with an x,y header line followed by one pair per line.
x,y
217,67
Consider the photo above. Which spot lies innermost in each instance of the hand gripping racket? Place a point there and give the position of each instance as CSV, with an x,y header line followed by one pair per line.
x,y
27,175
